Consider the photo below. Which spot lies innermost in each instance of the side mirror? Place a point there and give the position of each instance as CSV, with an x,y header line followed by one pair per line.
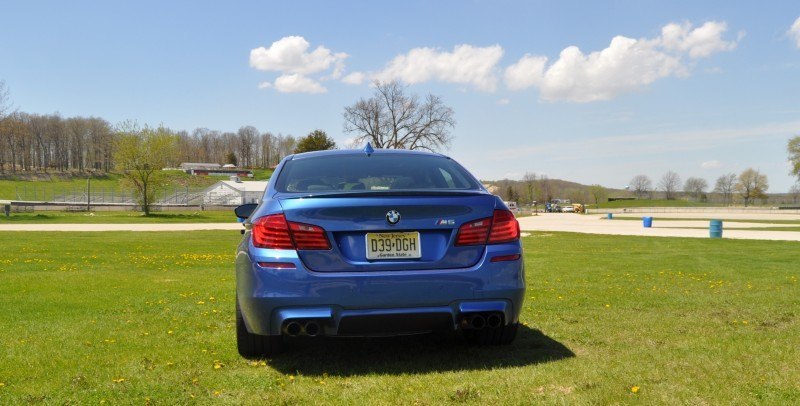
x,y
244,211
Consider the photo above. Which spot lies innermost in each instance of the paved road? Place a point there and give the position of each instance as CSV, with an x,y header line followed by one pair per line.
x,y
597,224
589,223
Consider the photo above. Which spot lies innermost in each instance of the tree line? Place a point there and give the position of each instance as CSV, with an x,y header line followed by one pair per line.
x,y
749,185
34,142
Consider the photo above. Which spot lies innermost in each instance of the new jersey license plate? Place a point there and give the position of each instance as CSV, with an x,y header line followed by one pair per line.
x,y
400,245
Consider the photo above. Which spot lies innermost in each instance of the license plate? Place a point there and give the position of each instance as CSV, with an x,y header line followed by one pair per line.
x,y
403,245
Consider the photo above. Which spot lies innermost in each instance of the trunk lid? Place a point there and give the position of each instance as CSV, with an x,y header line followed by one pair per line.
x,y
347,220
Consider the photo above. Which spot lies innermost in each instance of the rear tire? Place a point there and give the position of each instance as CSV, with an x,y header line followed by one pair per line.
x,y
253,345
502,335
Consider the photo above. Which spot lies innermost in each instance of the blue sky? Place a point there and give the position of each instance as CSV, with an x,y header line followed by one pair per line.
x,y
607,90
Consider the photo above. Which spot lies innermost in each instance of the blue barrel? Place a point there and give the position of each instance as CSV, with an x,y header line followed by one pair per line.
x,y
647,221
715,229
609,216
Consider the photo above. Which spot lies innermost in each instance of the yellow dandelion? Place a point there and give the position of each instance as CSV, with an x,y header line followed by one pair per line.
x,y
119,380
2,384
291,377
608,305
634,389
169,332
200,302
217,393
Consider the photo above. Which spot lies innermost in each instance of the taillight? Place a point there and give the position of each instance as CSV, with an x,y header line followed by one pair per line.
x,y
474,232
505,227
275,232
500,228
308,237
272,232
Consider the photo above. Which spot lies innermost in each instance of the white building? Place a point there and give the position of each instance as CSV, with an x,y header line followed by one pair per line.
x,y
234,192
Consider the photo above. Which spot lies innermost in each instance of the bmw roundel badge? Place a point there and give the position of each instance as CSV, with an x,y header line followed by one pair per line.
x,y
393,216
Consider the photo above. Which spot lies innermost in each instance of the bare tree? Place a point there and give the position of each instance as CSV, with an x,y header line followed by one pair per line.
x,y
752,185
529,179
641,185
794,192
725,185
392,119
669,184
696,187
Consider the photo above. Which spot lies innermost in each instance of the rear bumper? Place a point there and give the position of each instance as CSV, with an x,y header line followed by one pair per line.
x,y
378,303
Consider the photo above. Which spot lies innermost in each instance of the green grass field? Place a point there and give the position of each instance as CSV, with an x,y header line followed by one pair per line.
x,y
120,217
45,189
46,186
148,318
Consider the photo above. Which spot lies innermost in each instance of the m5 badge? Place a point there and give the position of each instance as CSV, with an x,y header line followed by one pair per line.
x,y
445,222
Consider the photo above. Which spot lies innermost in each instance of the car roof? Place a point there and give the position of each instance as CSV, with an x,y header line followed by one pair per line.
x,y
343,152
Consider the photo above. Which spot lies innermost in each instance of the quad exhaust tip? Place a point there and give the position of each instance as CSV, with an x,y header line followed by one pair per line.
x,y
292,329
311,328
494,320
482,320
295,328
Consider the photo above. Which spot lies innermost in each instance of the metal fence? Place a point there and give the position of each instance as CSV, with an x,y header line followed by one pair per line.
x,y
76,195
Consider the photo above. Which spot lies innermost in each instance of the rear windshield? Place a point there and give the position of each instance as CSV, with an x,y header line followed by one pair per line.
x,y
362,173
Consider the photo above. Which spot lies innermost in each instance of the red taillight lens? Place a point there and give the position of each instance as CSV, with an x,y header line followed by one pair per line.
x,y
308,237
474,232
275,232
505,227
500,228
272,232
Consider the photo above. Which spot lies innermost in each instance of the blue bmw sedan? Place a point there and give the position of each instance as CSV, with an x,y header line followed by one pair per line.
x,y
376,243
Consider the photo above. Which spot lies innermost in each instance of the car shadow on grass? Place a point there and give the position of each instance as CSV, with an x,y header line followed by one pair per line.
x,y
414,354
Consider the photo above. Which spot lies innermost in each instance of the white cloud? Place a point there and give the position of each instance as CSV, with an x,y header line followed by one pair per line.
x,y
700,42
794,32
289,55
296,83
713,164
526,73
467,64
503,102
626,65
355,78
264,85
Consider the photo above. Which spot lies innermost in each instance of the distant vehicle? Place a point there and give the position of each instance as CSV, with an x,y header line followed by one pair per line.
x,y
376,243
578,208
568,209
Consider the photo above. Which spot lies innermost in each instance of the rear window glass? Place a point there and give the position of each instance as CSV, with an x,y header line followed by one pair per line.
x,y
361,173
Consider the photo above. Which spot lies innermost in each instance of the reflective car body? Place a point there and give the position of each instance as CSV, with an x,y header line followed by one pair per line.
x,y
370,243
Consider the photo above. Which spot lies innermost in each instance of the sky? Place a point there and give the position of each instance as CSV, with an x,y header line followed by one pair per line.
x,y
591,92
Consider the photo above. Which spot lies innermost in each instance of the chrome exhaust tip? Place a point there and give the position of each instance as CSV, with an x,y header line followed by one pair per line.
x,y
292,329
477,322
312,328
494,320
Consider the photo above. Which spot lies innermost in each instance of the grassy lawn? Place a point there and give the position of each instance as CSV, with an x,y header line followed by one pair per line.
x,y
148,317
120,217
